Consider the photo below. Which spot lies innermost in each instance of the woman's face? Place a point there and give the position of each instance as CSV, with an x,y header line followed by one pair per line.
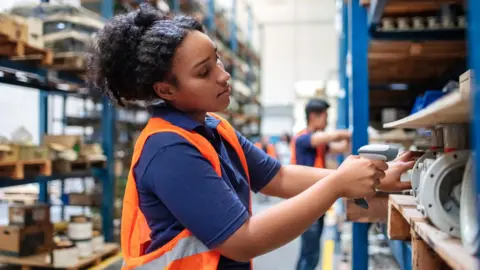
x,y
202,84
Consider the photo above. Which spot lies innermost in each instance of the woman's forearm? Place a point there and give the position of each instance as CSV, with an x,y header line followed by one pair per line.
x,y
291,180
281,223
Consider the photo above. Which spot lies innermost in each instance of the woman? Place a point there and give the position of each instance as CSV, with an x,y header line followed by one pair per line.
x,y
187,200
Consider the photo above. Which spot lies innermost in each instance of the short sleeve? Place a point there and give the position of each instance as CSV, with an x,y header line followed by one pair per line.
x,y
304,141
197,197
261,167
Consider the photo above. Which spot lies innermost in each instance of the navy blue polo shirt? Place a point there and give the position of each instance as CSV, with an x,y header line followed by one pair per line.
x,y
305,153
178,188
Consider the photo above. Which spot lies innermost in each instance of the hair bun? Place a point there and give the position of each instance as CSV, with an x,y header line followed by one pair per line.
x,y
147,15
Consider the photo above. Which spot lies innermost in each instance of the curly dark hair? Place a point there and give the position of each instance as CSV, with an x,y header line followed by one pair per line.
x,y
135,50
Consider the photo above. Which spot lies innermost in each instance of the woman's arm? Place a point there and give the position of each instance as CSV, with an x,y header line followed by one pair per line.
x,y
285,221
291,180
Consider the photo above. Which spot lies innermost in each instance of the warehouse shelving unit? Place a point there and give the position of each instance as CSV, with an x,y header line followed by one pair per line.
x,y
359,36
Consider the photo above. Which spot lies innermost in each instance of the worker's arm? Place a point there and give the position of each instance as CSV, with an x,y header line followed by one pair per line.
x,y
285,221
294,179
291,180
341,147
325,137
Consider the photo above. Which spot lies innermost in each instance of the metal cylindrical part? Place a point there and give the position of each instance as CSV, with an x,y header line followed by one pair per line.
x,y
418,23
433,22
461,21
403,23
436,141
454,136
387,24
447,22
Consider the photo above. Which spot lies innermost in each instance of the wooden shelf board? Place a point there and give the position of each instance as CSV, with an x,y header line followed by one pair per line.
x,y
41,260
449,249
397,7
452,108
376,212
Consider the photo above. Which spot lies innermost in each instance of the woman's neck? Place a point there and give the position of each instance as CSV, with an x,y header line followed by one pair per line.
x,y
197,116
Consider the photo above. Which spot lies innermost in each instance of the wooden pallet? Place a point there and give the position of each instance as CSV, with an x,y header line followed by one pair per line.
x,y
69,61
41,260
431,248
26,168
21,51
376,212
65,166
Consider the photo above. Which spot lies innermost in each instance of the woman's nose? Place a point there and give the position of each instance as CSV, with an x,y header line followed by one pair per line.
x,y
224,77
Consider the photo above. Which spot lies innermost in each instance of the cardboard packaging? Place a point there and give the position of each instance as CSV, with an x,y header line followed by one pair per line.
x,y
11,28
27,215
35,30
21,241
25,152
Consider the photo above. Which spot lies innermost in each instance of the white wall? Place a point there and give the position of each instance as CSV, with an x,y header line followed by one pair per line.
x,y
298,43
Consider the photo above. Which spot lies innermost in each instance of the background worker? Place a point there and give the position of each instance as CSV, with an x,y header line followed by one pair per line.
x,y
309,148
187,200
267,146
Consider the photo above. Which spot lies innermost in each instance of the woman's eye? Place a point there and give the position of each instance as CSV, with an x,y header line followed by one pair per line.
x,y
203,72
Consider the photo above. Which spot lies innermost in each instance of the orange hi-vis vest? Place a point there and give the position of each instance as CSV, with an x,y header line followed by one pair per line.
x,y
319,158
185,251
270,149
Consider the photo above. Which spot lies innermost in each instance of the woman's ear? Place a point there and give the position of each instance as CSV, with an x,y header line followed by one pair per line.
x,y
164,90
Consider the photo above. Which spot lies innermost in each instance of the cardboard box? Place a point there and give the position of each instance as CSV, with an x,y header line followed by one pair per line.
x,y
65,257
13,29
26,215
21,241
25,152
35,30
63,142
83,199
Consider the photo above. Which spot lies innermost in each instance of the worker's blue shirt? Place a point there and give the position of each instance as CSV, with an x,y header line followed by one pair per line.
x,y
178,188
305,154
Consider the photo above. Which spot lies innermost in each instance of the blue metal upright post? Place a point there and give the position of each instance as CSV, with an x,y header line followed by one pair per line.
x,y
233,32
342,120
43,124
176,6
211,16
359,117
249,42
108,143
474,52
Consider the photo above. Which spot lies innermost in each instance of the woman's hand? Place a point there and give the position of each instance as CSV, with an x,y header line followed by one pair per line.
x,y
396,168
357,177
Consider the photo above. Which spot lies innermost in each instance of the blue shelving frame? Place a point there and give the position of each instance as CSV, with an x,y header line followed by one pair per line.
x,y
358,27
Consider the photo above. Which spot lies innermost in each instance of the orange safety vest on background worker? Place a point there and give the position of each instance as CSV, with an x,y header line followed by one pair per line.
x,y
185,251
319,157
269,149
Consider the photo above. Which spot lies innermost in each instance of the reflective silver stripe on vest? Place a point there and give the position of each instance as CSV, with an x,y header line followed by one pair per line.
x,y
185,247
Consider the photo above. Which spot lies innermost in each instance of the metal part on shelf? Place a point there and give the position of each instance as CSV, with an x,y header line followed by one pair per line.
x,y
470,231
417,171
439,191
455,136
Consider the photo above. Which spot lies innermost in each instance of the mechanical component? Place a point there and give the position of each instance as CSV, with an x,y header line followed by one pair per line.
x,y
455,137
439,193
433,22
418,23
416,173
469,228
403,23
